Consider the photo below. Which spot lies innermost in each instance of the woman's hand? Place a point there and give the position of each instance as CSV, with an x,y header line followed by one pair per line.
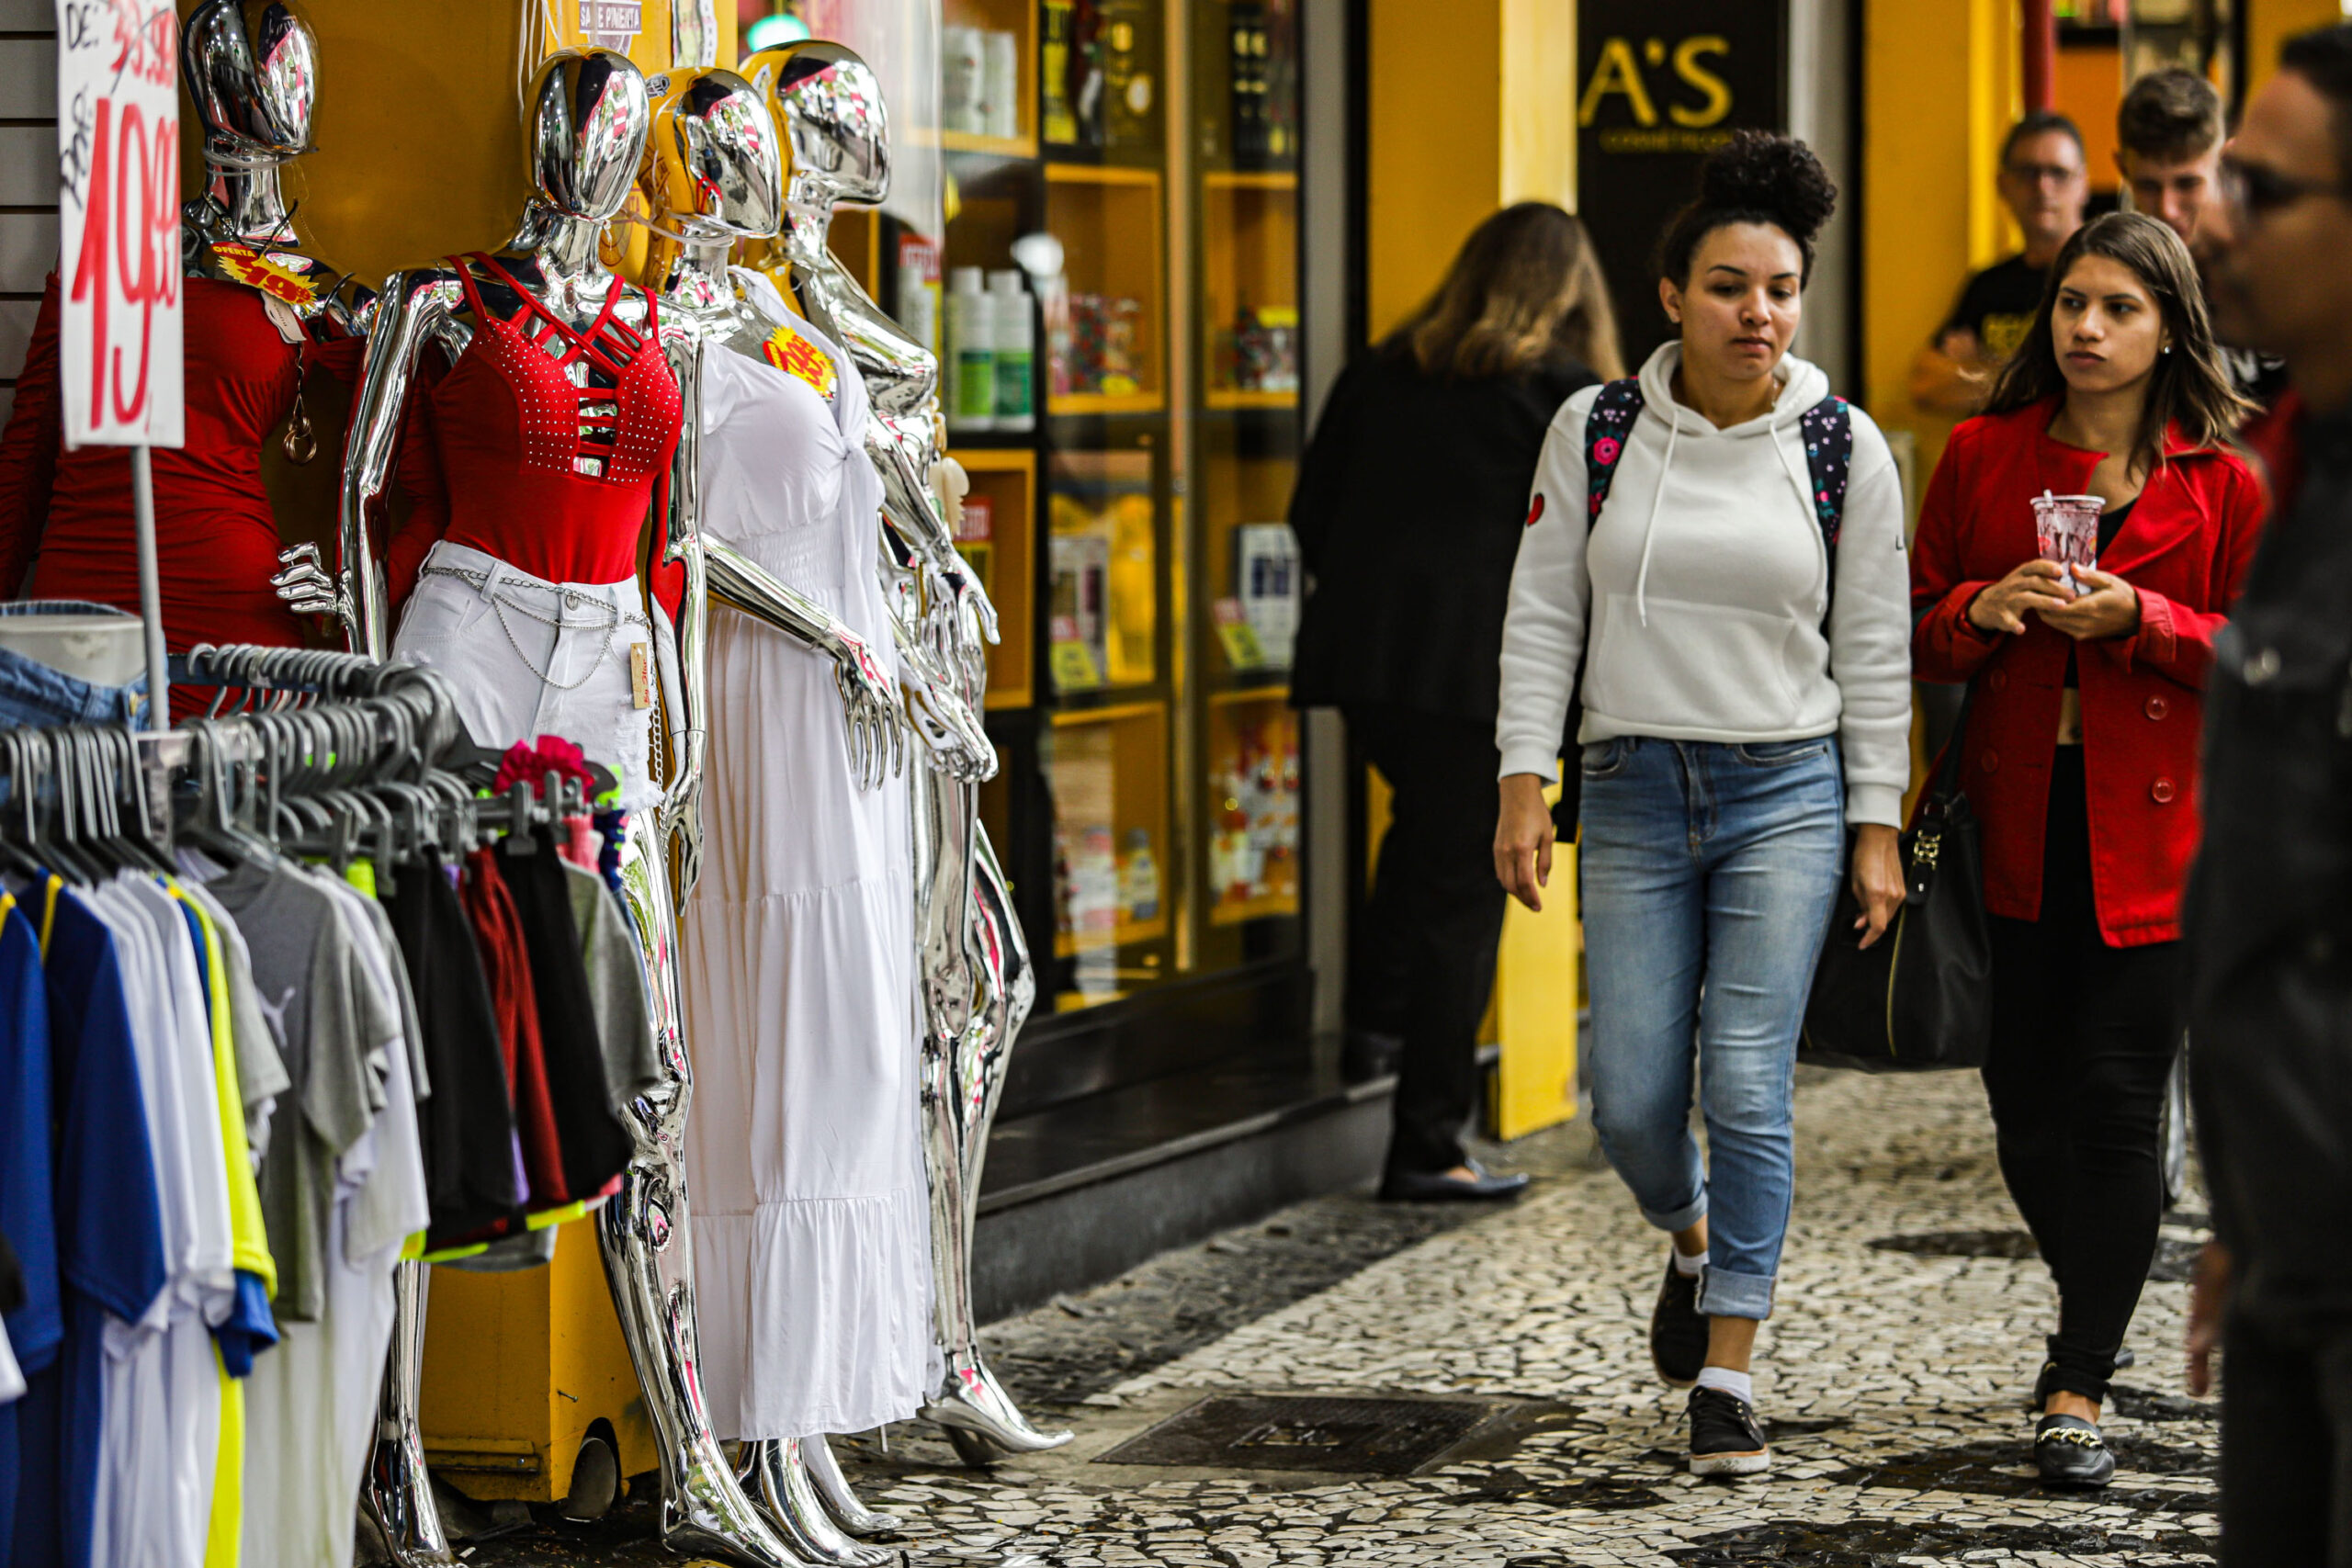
x,y
2034,585
2109,607
1523,838
1878,879
2209,1306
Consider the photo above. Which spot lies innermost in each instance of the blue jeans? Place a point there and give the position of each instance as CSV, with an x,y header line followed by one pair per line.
x,y
33,694
1709,873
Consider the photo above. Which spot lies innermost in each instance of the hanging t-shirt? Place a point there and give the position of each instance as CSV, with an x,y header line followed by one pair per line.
x,y
1998,305
35,1321
110,1233
616,988
596,1147
261,1062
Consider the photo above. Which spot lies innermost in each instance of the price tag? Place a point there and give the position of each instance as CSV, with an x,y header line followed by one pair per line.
x,y
119,221
1242,650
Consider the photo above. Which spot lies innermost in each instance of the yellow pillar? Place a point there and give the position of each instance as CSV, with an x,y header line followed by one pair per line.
x,y
2269,23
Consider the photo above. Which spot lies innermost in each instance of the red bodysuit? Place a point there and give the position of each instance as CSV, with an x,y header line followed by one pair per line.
x,y
500,454
65,528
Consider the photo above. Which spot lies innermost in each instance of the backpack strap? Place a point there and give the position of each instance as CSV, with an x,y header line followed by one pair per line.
x,y
1606,430
1827,430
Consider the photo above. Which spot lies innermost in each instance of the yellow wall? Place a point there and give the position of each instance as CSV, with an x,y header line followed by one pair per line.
x,y
2269,23
1468,114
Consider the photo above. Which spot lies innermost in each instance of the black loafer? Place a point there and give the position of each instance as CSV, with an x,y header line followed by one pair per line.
x,y
2069,1451
1724,1437
1678,1331
1428,1187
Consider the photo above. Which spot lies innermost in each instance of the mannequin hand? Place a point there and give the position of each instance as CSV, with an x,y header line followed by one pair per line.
x,y
1878,879
2109,607
679,821
943,721
2034,585
309,588
870,714
1524,837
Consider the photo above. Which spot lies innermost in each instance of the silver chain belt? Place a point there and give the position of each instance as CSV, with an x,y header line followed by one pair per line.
x,y
573,600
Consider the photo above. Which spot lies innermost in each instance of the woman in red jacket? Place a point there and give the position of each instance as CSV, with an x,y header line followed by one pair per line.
x,y
2080,754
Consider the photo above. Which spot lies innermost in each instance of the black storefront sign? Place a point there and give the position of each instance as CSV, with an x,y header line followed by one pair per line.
x,y
1660,83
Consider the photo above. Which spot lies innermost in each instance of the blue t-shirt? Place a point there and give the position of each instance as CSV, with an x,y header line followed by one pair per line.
x,y
27,1209
108,1230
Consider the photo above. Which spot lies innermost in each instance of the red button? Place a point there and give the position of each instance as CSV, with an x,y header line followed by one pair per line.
x,y
1998,680
1991,762
2161,791
2158,707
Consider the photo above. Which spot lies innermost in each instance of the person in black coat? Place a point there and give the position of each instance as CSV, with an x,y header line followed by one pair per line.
x,y
1410,499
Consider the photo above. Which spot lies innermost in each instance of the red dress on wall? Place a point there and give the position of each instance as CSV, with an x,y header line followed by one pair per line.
x,y
65,522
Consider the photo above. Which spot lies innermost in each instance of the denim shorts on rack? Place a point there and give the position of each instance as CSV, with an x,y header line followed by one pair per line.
x,y
33,694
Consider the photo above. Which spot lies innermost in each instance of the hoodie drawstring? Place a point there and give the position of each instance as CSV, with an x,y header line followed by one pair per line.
x,y
1649,533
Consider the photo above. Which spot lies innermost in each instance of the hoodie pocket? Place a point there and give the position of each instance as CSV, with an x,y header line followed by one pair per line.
x,y
1695,667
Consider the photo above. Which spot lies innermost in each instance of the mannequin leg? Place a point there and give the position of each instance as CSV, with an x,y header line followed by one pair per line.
x,y
775,1472
399,1494
825,1472
648,1260
963,1076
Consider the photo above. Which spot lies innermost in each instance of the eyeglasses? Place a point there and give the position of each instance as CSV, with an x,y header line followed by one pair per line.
x,y
2256,189
2042,173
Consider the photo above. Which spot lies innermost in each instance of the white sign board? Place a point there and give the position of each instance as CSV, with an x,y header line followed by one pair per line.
x,y
119,219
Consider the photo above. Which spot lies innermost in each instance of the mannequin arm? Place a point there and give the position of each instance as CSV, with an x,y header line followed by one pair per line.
x,y
685,672
869,697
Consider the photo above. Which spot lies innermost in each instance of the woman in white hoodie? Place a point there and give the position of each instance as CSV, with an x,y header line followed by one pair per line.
x,y
1738,615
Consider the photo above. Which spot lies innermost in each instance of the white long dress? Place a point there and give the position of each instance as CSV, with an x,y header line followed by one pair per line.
x,y
811,1229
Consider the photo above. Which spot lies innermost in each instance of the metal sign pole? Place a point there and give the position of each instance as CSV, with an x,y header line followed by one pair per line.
x,y
150,589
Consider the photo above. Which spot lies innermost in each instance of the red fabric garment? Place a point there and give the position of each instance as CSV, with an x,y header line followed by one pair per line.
x,y
65,524
492,448
2186,548
2270,436
498,933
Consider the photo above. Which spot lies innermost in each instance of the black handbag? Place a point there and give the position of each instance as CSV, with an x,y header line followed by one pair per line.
x,y
1920,998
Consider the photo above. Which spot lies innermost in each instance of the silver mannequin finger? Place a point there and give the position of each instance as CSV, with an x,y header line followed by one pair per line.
x,y
825,1472
779,1478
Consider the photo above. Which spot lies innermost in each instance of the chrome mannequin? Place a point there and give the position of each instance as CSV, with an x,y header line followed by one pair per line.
x,y
715,163
977,983
589,118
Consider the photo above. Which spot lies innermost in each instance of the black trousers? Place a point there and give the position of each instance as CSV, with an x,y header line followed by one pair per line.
x,y
1436,915
2084,1036
2286,1446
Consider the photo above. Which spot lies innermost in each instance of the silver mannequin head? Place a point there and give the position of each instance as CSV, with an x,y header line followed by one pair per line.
x,y
718,158
253,85
589,114
831,107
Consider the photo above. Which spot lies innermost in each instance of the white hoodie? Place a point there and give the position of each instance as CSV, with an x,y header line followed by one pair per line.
x,y
1705,582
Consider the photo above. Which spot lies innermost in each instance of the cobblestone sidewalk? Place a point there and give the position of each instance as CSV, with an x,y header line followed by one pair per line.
x,y
1892,1376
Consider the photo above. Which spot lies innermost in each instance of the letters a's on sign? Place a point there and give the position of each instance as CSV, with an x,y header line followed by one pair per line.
x,y
118,220
1681,108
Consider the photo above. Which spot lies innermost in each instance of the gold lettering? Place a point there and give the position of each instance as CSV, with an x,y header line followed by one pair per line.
x,y
1686,66
1616,72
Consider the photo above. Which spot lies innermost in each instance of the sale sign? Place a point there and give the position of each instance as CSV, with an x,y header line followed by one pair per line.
x,y
118,211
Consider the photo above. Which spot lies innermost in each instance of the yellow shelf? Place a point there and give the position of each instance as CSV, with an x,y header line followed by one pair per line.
x,y
1247,179
1107,402
1012,697
1108,715
1068,944
995,459
1248,694
1234,911
999,146
1240,398
1060,173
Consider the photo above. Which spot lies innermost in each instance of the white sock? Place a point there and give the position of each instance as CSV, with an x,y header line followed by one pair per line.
x,y
1739,1385
1688,1267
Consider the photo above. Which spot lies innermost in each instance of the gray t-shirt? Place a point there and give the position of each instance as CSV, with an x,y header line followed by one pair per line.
x,y
261,1064
615,988
336,1023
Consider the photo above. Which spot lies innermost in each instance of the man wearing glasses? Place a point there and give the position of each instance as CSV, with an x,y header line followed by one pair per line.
x,y
2268,915
2045,185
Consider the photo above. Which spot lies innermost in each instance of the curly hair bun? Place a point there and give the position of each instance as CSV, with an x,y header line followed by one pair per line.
x,y
1777,176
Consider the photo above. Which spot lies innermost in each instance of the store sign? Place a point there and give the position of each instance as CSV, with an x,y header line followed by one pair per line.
x,y
1658,87
119,219
612,24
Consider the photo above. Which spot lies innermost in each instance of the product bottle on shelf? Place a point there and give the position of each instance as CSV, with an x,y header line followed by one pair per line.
x,y
1139,877
1000,71
1060,116
971,352
1015,340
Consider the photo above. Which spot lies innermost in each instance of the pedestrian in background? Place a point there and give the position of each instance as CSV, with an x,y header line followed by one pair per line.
x,y
1408,512
2045,185
1746,696
2269,918
2080,755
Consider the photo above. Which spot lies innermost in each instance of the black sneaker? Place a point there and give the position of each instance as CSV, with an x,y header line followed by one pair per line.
x,y
1724,1437
1678,1332
2068,1452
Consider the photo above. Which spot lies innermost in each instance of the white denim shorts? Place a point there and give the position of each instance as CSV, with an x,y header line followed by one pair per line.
x,y
531,657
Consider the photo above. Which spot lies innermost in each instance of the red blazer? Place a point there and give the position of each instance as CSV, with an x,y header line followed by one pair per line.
x,y
2186,548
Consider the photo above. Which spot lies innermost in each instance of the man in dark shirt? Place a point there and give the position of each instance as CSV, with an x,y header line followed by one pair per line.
x,y
2268,915
2045,186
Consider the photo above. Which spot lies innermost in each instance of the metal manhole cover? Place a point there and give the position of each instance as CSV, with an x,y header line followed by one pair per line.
x,y
1377,1436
